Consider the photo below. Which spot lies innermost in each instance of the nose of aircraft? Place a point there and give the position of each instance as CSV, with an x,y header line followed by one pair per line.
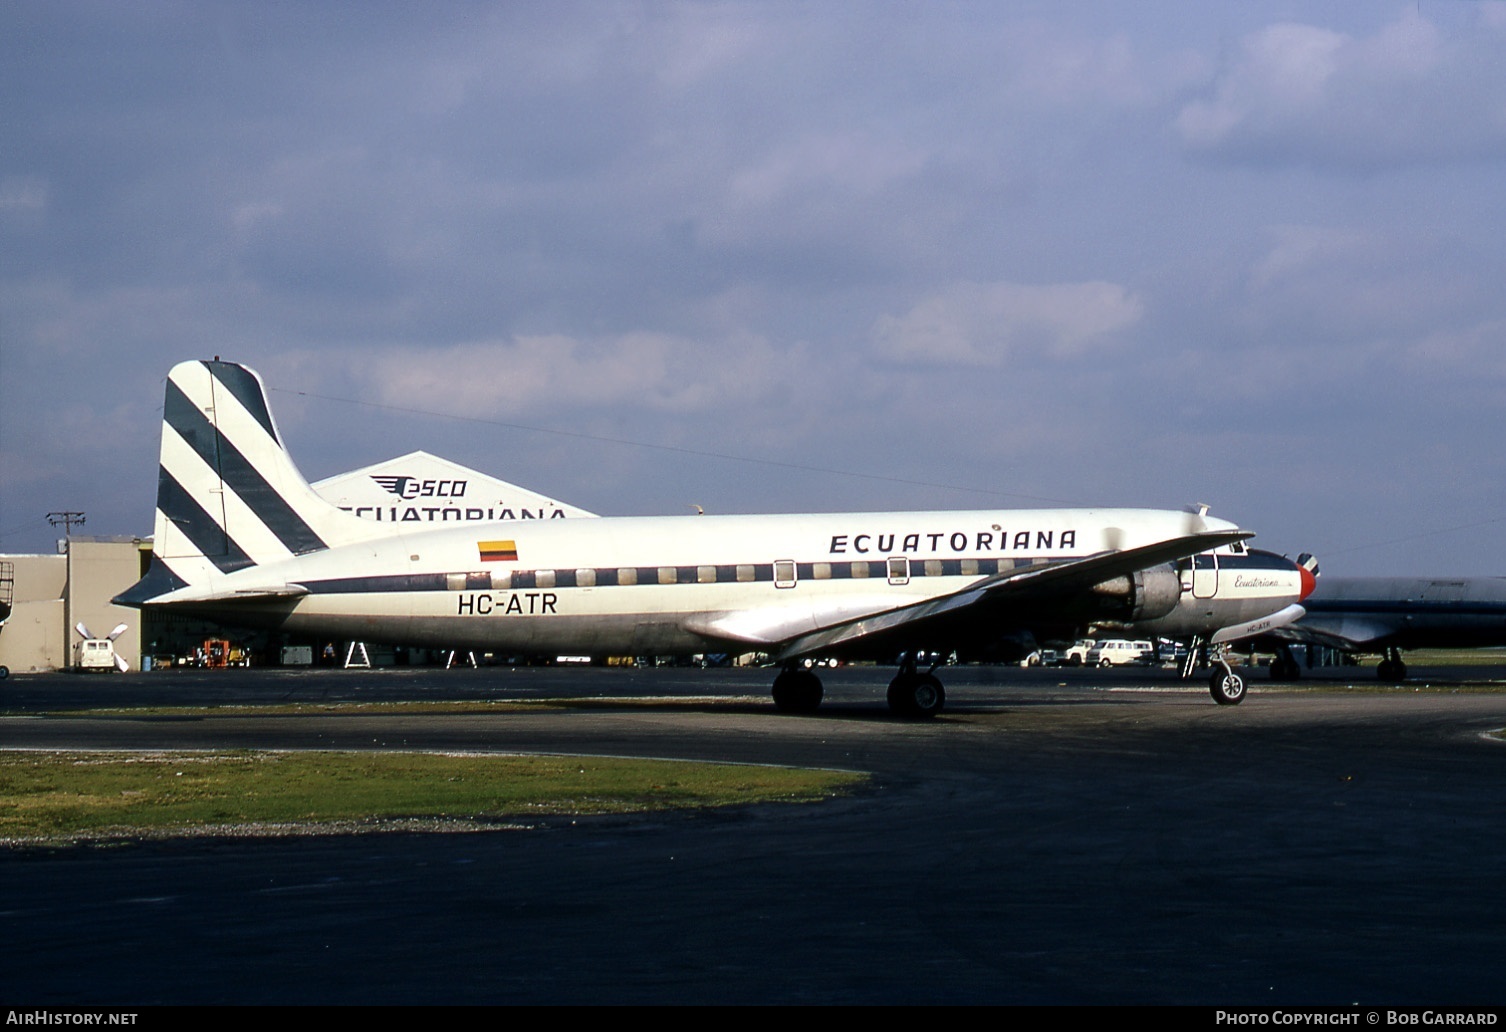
x,y
1308,583
1307,565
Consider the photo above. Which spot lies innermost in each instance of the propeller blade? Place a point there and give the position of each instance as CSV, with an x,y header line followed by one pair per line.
x,y
81,629
118,631
121,664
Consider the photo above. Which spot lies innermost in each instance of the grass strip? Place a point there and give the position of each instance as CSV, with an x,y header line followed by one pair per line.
x,y
64,795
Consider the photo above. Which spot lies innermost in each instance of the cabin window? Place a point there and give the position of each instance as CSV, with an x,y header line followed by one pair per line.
x,y
899,570
627,575
746,573
969,567
860,569
821,571
585,578
543,579
784,573
933,567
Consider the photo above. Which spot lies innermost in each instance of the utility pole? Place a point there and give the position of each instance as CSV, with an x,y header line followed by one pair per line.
x,y
68,520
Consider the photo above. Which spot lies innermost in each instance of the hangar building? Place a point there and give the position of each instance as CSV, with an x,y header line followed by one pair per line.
x,y
48,595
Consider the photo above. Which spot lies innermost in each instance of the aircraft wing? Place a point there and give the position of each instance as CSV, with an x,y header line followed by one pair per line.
x,y
1018,586
1347,634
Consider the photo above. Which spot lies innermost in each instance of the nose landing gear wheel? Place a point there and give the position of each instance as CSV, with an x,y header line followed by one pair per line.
x,y
1228,688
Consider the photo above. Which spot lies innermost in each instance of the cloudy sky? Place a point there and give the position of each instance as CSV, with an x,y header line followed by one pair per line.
x,y
776,256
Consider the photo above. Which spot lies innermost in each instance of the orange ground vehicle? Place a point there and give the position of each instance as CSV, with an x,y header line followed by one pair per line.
x,y
216,653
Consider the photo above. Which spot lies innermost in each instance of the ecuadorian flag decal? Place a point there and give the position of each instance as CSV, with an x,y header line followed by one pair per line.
x,y
498,551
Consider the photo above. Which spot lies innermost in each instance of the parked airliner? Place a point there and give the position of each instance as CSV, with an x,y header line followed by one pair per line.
x,y
241,538
1387,614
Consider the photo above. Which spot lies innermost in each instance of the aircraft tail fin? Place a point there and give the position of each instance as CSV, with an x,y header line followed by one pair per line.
x,y
228,494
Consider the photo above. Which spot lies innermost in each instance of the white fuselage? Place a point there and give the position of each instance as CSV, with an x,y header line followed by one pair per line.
x,y
659,584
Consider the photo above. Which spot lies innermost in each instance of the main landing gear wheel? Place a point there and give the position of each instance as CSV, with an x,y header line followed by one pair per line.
x,y
916,695
1228,688
1391,669
797,691
1283,669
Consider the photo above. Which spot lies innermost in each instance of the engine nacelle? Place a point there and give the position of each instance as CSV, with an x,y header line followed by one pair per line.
x,y
1144,594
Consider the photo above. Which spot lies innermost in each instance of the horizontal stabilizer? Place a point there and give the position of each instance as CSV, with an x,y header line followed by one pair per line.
x,y
199,597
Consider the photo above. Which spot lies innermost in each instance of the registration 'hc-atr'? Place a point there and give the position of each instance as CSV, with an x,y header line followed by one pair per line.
x,y
241,538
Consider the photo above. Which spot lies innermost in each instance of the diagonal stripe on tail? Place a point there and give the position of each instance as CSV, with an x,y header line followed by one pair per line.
x,y
238,474
203,531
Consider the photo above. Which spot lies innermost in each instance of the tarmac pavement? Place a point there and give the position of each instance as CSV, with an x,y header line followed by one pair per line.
x,y
1055,837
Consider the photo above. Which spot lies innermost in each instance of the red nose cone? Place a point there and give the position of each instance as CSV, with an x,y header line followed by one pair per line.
x,y
1308,581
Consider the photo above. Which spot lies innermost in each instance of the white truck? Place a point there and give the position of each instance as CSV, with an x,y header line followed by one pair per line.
x,y
1077,655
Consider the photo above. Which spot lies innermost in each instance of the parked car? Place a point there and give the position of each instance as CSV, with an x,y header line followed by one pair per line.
x,y
1121,652
1171,653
